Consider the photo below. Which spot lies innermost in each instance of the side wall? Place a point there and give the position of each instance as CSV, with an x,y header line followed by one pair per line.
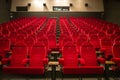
x,y
57,14
112,11
4,10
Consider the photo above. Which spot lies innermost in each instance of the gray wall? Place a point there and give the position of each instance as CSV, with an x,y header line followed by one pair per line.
x,y
56,14
4,10
112,11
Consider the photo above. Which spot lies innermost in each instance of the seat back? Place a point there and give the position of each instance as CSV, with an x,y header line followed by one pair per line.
x,y
5,32
70,55
19,54
116,50
117,40
61,38
101,35
106,42
52,41
37,54
95,41
66,40
13,36
30,41
81,40
4,43
20,38
43,40
87,52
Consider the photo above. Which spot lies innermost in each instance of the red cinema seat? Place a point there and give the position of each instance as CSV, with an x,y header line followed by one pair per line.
x,y
117,32
43,40
95,41
5,32
116,54
93,32
88,60
117,40
69,59
37,59
17,60
20,38
75,35
101,35
30,42
13,36
62,36
80,41
113,37
52,41
106,47
4,46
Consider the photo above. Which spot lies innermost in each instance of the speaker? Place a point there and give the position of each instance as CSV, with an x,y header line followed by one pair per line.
x,y
44,4
86,4
29,4
71,4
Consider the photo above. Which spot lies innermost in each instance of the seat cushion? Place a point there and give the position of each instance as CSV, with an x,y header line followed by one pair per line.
x,y
23,70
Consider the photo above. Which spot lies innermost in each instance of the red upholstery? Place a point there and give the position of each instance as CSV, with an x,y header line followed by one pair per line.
x,y
83,70
90,60
117,40
52,41
30,41
106,46
18,59
69,48
88,54
20,38
37,59
80,41
5,32
95,41
44,40
4,46
69,57
13,36
101,35
61,38
65,41
116,53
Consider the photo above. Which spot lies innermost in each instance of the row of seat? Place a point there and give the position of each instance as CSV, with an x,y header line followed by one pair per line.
x,y
78,41
80,32
23,62
38,34
29,54
87,63
20,34
99,36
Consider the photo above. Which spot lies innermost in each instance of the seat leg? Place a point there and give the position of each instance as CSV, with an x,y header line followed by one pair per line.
x,y
62,76
99,78
80,78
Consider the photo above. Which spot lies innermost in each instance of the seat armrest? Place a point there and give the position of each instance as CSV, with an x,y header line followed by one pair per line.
x,y
82,61
45,61
61,61
5,60
48,51
101,60
116,59
102,50
25,61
